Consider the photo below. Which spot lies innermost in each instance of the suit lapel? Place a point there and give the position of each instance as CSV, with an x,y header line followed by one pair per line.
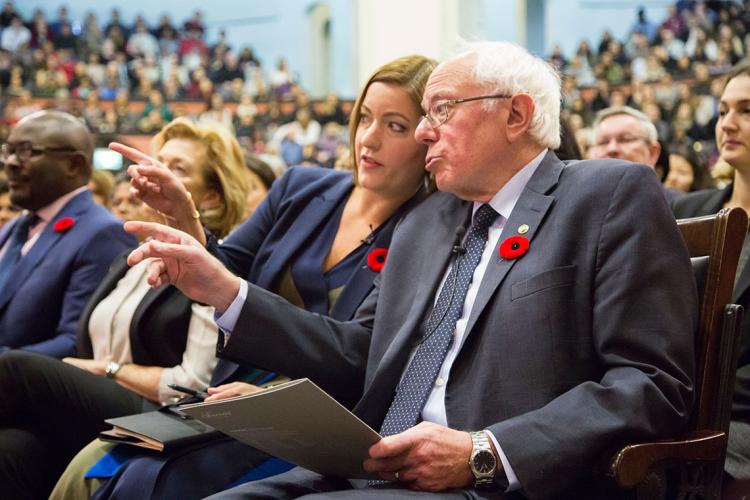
x,y
360,283
5,231
151,295
316,211
116,271
530,210
437,243
41,249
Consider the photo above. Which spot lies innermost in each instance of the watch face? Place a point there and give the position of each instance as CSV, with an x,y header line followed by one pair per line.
x,y
484,462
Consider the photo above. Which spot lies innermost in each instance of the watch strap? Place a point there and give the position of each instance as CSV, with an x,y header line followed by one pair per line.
x,y
481,444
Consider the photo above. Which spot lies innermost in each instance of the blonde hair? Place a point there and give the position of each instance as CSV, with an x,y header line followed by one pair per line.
x,y
224,171
408,72
102,183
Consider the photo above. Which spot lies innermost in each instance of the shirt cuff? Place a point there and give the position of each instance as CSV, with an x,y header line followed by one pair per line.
x,y
228,320
513,483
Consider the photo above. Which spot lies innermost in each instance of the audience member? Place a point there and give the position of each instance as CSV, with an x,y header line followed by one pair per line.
x,y
313,240
101,184
132,341
626,133
7,14
55,255
125,205
687,171
260,177
733,141
491,116
8,211
15,37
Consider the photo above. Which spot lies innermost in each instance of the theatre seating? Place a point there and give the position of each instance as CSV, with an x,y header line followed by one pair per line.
x,y
691,466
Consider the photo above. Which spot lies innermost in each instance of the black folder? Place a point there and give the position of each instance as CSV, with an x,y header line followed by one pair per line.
x,y
158,430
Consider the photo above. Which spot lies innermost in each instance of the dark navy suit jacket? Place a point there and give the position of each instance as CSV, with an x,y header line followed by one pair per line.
x,y
580,344
43,299
298,205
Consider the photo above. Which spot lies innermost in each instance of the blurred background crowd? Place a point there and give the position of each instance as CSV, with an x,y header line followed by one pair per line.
x,y
127,78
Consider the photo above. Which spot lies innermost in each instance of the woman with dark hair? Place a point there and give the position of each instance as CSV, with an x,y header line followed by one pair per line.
x,y
311,241
733,141
260,178
687,170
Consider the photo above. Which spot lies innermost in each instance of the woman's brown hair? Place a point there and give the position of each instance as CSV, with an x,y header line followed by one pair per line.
x,y
408,72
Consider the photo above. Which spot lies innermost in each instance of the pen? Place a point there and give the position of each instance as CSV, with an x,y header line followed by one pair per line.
x,y
192,392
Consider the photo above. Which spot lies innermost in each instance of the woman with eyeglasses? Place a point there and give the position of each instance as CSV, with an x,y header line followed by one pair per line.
x,y
314,241
733,142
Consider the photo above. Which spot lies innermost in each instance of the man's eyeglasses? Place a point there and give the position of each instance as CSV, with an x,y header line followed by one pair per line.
x,y
25,150
623,140
440,111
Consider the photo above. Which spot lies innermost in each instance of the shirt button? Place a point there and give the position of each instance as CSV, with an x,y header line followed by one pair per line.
x,y
439,382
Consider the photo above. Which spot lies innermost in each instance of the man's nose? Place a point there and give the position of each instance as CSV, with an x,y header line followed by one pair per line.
x,y
425,132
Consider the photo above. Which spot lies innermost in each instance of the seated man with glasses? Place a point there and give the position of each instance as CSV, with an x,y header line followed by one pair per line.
x,y
53,256
626,133
522,324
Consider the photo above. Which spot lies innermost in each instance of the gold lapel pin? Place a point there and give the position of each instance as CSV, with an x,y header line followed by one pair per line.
x,y
523,229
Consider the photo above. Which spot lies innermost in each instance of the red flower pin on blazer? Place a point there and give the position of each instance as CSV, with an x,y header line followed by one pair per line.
x,y
513,247
62,225
376,259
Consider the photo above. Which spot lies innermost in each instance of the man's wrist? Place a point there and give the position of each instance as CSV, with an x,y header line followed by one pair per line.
x,y
228,293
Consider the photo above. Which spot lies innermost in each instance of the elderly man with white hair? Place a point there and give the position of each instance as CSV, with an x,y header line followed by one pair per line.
x,y
529,316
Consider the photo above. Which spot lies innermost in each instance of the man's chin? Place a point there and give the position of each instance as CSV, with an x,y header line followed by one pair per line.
x,y
19,198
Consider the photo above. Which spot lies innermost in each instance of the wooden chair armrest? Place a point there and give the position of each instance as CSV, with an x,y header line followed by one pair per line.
x,y
632,463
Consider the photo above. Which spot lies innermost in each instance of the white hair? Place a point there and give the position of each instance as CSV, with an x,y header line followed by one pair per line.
x,y
652,135
505,67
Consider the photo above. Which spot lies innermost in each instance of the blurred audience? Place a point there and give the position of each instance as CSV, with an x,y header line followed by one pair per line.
x,y
101,184
8,211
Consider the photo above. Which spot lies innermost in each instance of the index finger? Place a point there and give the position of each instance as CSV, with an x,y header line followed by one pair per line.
x,y
155,230
132,153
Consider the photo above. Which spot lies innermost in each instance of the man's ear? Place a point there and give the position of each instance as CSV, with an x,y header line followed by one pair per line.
x,y
519,118
654,150
79,167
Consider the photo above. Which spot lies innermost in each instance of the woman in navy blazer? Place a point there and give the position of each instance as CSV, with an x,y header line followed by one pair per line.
x,y
319,240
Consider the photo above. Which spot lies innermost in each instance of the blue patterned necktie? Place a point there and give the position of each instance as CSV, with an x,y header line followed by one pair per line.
x,y
416,384
17,238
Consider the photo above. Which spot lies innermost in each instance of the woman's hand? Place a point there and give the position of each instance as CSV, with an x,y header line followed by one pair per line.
x,y
94,366
156,185
231,390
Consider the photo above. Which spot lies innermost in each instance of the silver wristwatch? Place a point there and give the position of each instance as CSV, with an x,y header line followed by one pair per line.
x,y
482,460
111,369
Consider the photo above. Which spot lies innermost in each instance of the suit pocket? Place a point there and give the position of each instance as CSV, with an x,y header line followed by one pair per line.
x,y
552,278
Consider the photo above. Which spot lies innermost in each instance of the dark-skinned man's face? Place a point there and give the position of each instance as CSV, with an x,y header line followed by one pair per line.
x,y
47,173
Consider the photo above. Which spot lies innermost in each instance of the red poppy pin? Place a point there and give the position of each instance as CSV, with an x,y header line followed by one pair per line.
x,y
376,259
62,225
513,247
